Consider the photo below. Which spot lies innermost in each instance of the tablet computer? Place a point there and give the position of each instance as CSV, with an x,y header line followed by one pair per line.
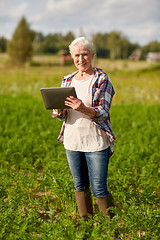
x,y
54,97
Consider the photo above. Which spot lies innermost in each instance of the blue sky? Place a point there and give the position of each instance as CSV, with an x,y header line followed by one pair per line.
x,y
138,20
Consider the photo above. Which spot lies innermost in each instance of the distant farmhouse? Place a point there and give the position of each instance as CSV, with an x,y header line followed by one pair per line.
x,y
153,57
135,56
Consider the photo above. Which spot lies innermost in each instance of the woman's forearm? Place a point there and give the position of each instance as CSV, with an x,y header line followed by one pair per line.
x,y
89,111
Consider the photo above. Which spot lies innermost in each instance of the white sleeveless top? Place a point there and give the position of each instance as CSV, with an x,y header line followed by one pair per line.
x,y
81,133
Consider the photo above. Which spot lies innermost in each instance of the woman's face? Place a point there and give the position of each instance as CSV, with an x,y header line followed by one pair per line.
x,y
82,57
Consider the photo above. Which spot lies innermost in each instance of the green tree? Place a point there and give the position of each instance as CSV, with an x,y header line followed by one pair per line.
x,y
3,44
38,39
114,44
53,43
20,47
100,44
153,46
49,44
69,37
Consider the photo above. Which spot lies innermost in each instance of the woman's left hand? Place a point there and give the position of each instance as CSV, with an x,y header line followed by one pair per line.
x,y
78,105
75,103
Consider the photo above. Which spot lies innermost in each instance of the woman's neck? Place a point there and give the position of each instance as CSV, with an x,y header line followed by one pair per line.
x,y
83,75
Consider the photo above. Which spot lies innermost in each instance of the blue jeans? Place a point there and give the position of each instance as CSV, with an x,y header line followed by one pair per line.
x,y
89,167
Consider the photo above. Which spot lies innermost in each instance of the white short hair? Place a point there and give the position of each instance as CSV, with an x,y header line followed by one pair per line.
x,y
82,41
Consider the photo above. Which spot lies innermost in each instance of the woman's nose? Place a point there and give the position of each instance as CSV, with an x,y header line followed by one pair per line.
x,y
81,58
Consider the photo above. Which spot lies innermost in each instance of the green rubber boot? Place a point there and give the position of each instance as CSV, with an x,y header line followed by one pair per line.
x,y
84,202
104,203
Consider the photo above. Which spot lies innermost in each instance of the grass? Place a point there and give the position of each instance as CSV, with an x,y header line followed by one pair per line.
x,y
138,83
36,187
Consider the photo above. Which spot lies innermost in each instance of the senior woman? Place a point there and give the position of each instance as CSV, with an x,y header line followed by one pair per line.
x,y
86,132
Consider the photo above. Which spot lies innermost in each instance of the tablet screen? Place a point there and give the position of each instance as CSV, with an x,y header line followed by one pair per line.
x,y
55,97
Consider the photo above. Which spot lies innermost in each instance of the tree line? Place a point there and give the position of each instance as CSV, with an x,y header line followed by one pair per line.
x,y
25,42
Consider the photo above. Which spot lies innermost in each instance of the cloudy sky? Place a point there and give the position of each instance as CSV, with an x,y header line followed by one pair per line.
x,y
138,20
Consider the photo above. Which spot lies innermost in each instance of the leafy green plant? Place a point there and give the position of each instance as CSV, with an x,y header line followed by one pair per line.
x,y
37,197
36,186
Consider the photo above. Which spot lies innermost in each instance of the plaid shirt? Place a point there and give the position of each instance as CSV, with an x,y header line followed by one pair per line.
x,y
102,93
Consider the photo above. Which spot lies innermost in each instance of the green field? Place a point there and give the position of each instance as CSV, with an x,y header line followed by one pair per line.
x,y
36,187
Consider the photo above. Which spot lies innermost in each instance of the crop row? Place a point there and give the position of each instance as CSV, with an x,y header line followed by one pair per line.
x,y
36,187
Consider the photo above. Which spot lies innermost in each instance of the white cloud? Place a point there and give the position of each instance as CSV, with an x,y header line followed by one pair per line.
x,y
146,32
138,19
11,10
37,17
4,4
19,10
60,6
50,5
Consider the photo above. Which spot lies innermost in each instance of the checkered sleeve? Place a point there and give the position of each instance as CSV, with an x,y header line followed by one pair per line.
x,y
102,99
61,116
